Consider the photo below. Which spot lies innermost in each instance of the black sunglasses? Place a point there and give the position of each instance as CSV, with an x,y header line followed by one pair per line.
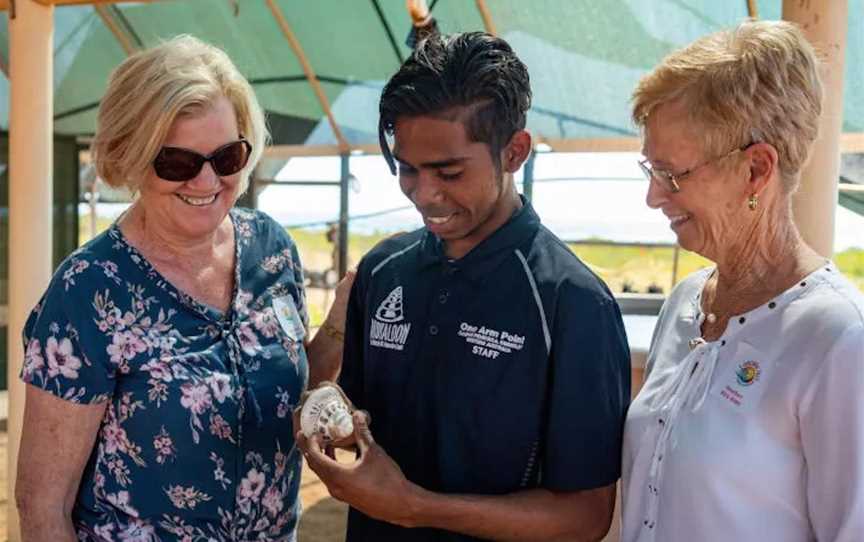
x,y
180,165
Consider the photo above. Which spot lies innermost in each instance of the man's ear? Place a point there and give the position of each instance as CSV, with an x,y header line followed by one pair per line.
x,y
516,151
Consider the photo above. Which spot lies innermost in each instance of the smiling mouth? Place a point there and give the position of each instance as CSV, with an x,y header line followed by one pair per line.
x,y
677,220
440,220
198,202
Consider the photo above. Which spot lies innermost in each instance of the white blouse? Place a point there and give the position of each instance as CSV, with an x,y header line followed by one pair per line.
x,y
759,435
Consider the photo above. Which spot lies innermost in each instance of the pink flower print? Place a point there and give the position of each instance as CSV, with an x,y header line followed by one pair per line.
x,y
248,339
219,427
121,501
221,386
196,397
137,530
33,360
158,369
128,318
104,532
241,306
113,316
61,359
103,326
272,501
113,437
252,486
164,446
124,346
265,322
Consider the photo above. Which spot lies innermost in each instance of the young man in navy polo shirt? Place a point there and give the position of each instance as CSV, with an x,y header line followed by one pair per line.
x,y
493,363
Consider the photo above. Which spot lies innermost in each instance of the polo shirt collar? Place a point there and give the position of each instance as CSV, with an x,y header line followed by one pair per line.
x,y
482,259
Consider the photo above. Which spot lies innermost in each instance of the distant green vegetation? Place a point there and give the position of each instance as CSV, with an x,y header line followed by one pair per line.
x,y
639,268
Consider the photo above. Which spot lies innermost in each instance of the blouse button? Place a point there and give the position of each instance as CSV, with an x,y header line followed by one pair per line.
x,y
742,320
772,305
433,330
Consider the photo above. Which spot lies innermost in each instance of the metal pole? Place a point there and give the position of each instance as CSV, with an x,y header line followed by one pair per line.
x,y
343,214
675,256
31,63
814,205
528,176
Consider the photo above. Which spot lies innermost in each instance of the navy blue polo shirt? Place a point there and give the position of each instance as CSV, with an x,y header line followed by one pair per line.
x,y
504,370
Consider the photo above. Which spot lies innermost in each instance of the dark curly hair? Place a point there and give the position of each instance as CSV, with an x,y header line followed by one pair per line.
x,y
473,70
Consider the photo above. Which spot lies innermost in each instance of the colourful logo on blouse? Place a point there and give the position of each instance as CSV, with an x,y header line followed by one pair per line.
x,y
748,373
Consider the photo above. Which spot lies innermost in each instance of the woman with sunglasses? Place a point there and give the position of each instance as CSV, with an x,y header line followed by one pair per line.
x,y
167,354
750,424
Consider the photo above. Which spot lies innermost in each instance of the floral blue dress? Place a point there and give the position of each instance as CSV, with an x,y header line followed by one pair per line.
x,y
196,442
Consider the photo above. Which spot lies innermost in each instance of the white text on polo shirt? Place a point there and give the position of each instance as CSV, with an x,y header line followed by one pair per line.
x,y
488,342
392,336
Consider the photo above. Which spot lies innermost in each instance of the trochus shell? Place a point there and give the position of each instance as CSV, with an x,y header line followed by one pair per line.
x,y
325,412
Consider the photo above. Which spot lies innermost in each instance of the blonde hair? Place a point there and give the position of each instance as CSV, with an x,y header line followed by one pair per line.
x,y
151,89
758,82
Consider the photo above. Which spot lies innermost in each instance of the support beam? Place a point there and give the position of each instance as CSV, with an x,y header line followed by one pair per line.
x,y
310,74
345,180
486,15
31,64
814,205
752,10
4,4
108,20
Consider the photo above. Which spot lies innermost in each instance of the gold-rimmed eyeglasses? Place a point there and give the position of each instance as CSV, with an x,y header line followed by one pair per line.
x,y
669,180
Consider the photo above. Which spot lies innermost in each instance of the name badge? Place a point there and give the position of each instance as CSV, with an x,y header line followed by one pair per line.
x,y
289,317
743,378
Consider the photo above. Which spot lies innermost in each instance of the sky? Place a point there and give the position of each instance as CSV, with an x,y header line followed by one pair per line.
x,y
577,195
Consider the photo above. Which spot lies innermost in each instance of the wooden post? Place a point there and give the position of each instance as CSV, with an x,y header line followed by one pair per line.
x,y
31,66
815,204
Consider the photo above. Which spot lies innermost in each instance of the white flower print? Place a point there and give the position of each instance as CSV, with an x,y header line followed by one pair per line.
x,y
220,384
121,501
60,357
248,339
104,532
138,530
252,485
33,360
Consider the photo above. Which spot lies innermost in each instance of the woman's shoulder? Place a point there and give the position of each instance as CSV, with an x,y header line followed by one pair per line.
x,y
91,265
257,228
832,305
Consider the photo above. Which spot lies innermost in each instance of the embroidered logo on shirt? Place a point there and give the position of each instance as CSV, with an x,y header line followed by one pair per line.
x,y
385,330
390,310
488,342
748,373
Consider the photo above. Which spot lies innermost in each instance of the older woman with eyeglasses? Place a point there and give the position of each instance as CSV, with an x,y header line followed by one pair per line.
x,y
750,424
165,358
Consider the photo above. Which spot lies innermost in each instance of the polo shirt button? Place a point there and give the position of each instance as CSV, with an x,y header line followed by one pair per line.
x,y
442,298
451,270
433,330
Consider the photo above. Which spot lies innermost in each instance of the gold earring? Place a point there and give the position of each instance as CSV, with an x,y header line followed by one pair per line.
x,y
753,202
